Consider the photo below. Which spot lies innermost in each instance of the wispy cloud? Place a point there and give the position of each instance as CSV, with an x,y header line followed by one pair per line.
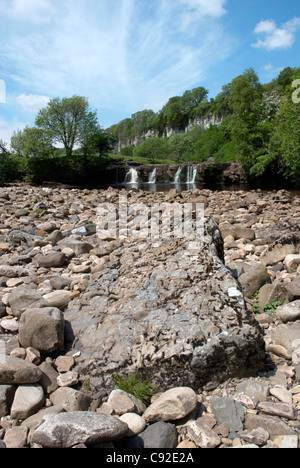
x,y
32,102
274,37
122,55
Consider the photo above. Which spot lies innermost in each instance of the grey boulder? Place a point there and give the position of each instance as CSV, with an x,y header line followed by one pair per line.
x,y
65,430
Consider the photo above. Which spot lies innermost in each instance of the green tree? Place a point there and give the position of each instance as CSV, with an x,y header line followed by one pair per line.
x,y
67,121
249,126
153,148
32,142
285,141
210,143
181,146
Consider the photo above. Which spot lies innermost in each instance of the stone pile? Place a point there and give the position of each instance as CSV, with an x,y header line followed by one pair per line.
x,y
74,309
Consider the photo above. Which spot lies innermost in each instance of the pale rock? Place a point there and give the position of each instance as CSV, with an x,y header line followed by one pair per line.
x,y
10,325
289,312
16,437
282,394
58,299
286,442
121,403
202,435
257,436
68,379
139,406
28,400
292,262
172,405
64,363
278,409
135,423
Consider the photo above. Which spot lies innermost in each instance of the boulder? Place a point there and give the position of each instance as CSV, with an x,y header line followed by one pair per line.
x,y
70,399
17,371
183,320
59,299
229,411
202,435
16,437
28,400
172,405
65,430
7,393
254,279
160,435
51,260
136,424
292,262
289,312
79,247
294,288
271,293
42,329
23,298
238,232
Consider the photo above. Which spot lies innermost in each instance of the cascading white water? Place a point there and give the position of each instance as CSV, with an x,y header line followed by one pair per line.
x,y
178,175
152,177
132,177
191,174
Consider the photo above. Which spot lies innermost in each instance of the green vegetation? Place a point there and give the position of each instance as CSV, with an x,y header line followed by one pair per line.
x,y
258,126
253,123
135,385
271,308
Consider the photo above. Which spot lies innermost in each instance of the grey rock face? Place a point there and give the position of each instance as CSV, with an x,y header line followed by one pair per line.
x,y
183,320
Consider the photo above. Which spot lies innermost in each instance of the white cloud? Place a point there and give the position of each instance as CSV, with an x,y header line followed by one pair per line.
x,y
32,102
120,54
197,10
2,92
32,11
276,37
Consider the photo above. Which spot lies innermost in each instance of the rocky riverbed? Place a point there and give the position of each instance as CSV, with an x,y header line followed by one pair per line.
x,y
215,326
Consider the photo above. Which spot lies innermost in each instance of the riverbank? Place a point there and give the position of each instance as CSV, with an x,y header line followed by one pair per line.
x,y
54,270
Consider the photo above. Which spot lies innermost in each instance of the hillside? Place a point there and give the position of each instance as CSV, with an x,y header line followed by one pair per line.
x,y
253,123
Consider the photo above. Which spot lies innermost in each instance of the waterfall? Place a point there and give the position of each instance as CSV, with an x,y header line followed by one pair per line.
x,y
191,174
132,177
152,177
177,176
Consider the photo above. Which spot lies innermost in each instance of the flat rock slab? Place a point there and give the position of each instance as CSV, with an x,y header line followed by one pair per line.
x,y
65,430
175,311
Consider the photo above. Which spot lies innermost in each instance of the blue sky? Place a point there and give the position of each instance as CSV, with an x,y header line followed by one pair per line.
x,y
130,55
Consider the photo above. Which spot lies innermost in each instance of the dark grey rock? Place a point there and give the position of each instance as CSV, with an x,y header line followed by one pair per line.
x,y
159,435
229,411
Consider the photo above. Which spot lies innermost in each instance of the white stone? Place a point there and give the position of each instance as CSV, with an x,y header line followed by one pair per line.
x,y
135,423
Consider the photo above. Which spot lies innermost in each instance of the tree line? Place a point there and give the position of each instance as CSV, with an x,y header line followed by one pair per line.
x,y
258,126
